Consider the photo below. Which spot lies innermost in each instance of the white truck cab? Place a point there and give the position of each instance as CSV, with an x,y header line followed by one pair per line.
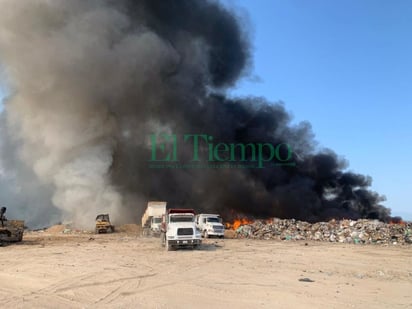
x,y
179,229
210,225
155,225
152,218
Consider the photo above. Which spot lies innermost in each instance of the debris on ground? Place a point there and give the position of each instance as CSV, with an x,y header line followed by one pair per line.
x,y
363,231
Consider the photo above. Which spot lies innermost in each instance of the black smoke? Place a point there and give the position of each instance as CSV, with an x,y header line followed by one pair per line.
x,y
122,70
317,188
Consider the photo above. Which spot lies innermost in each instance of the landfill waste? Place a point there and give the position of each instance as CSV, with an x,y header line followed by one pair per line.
x,y
362,231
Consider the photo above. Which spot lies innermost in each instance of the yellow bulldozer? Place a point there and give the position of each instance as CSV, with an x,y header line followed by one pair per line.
x,y
103,224
10,230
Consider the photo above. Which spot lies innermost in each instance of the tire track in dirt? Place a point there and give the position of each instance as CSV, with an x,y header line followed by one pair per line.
x,y
99,283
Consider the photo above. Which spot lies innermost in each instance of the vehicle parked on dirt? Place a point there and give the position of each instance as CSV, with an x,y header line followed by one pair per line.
x,y
179,230
103,224
10,230
210,225
152,218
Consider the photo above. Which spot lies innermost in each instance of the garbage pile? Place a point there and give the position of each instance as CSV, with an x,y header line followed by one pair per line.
x,y
361,231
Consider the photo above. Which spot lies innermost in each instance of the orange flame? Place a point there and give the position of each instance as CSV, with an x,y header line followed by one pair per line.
x,y
399,222
242,221
269,221
238,222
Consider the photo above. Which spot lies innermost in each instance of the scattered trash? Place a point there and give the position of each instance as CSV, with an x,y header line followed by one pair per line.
x,y
363,231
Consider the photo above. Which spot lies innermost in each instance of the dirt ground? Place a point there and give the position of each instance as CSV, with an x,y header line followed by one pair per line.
x,y
50,269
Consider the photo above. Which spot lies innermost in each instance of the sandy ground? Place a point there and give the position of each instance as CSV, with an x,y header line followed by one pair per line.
x,y
122,270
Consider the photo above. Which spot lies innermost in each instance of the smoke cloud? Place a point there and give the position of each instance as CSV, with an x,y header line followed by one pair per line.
x,y
91,80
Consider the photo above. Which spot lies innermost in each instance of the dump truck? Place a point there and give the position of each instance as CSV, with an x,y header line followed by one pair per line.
x,y
10,230
103,224
152,218
210,225
178,229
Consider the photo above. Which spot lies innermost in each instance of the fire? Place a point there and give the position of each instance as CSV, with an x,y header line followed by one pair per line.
x,y
400,222
242,221
268,221
238,222
397,220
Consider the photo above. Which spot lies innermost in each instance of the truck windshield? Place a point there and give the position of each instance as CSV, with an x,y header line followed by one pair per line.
x,y
181,219
102,218
157,220
213,220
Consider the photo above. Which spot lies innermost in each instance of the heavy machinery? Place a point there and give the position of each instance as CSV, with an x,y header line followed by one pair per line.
x,y
10,230
152,218
103,224
179,229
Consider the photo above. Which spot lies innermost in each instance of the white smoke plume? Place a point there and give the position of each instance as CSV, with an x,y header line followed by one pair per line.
x,y
67,61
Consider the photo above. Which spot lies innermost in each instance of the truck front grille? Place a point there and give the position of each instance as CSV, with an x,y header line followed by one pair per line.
x,y
185,231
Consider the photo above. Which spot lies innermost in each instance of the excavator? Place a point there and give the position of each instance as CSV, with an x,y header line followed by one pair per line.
x,y
10,230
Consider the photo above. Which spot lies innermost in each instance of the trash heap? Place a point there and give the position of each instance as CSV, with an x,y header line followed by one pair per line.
x,y
361,231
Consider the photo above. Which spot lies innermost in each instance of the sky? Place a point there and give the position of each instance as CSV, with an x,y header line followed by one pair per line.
x,y
346,67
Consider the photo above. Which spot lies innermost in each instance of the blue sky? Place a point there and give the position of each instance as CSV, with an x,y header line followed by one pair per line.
x,y
346,67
